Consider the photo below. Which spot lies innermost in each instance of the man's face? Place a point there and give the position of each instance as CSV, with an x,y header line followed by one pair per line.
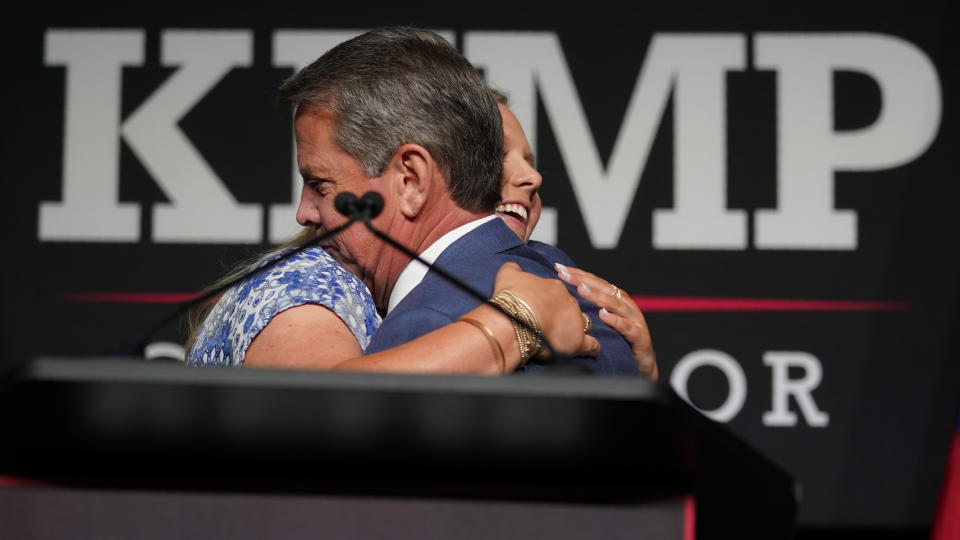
x,y
519,205
328,170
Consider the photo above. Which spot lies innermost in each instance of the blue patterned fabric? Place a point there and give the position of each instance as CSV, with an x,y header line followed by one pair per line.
x,y
309,277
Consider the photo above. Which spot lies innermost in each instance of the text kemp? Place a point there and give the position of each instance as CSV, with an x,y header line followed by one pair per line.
x,y
689,68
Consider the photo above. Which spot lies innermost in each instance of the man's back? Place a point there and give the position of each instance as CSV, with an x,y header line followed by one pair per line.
x,y
474,259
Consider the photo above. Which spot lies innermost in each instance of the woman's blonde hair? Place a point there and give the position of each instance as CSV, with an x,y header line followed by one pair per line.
x,y
197,316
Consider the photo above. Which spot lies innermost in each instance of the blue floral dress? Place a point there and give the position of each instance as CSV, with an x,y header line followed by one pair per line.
x,y
309,277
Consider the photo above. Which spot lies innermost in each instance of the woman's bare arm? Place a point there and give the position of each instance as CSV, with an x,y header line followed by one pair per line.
x,y
314,337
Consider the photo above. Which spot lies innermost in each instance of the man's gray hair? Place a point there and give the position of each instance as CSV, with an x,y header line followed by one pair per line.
x,y
397,85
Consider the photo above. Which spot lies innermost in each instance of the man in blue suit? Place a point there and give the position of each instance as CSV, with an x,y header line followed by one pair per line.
x,y
400,112
474,259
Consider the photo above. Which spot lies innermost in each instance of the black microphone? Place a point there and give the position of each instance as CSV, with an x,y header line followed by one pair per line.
x,y
373,202
347,204
361,209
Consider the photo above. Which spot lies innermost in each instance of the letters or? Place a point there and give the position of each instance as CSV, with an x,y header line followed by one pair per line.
x,y
801,389
782,386
736,381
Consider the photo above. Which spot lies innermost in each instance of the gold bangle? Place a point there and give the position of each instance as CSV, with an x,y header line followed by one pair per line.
x,y
493,339
529,334
532,332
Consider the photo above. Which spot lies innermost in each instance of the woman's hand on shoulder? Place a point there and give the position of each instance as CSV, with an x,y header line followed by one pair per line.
x,y
619,311
558,311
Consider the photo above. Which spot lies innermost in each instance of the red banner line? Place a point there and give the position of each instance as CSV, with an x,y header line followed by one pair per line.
x,y
661,304
649,304
129,297
15,481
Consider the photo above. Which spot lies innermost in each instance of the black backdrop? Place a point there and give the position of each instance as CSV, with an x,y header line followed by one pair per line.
x,y
870,433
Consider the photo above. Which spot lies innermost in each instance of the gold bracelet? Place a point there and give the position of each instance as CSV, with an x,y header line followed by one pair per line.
x,y
532,320
524,312
493,339
506,303
529,333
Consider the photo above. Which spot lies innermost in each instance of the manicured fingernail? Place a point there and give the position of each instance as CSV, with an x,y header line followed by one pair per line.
x,y
585,288
603,311
562,270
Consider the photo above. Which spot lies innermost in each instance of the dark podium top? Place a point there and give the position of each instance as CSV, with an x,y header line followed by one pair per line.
x,y
130,424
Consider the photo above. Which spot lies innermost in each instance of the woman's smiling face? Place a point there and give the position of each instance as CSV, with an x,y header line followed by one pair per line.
x,y
519,205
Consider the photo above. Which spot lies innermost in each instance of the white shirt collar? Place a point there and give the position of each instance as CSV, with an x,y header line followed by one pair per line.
x,y
414,272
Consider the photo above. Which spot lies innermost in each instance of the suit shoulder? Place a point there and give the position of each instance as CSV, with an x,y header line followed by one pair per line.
x,y
551,253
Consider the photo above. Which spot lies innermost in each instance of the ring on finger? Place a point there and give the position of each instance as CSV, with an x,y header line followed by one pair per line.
x,y
587,323
616,292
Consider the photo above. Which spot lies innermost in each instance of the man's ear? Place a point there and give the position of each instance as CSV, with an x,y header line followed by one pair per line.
x,y
416,176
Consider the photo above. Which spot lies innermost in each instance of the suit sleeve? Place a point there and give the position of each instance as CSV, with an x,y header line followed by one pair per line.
x,y
406,326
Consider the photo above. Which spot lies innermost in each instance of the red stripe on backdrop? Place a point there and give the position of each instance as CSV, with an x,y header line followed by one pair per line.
x,y
946,524
129,297
690,518
14,481
658,304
